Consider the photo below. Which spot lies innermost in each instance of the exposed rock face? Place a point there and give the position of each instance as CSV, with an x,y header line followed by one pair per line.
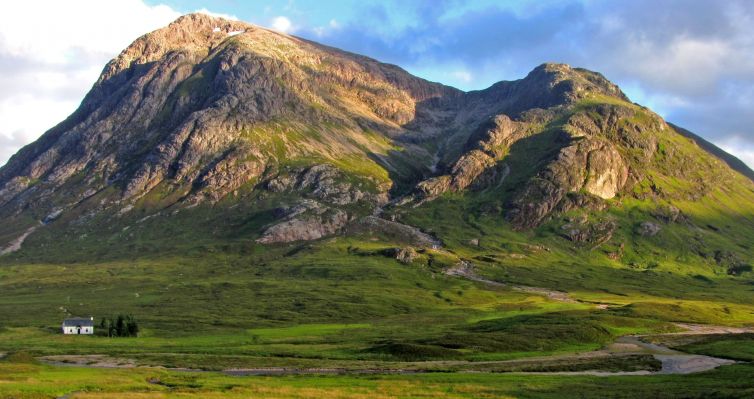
x,y
326,183
606,172
593,166
485,148
308,221
588,163
393,231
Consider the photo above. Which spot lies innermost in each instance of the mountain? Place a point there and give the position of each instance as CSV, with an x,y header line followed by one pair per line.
x,y
275,139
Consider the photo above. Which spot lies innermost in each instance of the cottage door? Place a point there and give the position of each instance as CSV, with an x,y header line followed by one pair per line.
x,y
78,330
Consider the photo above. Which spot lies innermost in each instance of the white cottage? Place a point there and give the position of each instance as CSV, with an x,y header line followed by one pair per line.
x,y
78,325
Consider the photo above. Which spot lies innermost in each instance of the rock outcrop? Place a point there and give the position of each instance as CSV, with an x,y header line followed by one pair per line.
x,y
486,147
405,255
328,184
392,231
583,231
306,221
590,165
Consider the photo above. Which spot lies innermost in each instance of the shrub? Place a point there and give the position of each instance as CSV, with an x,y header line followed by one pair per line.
x,y
735,270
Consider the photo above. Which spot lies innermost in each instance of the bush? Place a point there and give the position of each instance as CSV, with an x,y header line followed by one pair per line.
x,y
740,268
413,351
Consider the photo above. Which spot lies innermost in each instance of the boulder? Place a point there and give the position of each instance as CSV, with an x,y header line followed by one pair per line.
x,y
667,214
648,229
406,255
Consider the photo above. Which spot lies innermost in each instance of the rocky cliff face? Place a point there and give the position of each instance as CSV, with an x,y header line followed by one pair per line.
x,y
221,114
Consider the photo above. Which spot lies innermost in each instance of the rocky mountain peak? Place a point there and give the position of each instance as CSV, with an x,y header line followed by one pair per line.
x,y
197,33
573,82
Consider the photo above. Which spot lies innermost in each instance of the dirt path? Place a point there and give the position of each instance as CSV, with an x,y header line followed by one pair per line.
x,y
92,361
15,245
466,270
673,361
703,329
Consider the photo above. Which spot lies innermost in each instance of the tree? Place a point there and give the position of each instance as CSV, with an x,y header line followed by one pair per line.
x,y
120,326
132,328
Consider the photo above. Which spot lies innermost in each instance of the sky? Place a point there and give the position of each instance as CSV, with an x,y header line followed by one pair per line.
x,y
692,61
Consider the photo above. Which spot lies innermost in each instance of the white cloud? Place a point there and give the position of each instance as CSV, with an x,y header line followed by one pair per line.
x,y
51,52
91,25
320,31
684,65
282,24
463,76
216,14
740,147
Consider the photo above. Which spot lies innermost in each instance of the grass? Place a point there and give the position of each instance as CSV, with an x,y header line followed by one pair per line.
x,y
737,347
28,380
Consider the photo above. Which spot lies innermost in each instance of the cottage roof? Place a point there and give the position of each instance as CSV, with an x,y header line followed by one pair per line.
x,y
78,321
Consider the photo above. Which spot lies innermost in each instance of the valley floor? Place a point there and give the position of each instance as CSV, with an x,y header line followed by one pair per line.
x,y
628,355
342,319
674,374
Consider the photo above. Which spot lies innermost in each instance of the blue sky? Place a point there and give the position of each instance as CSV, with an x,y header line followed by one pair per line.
x,y
690,60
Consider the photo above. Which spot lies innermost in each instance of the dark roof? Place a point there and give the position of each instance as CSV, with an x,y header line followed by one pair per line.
x,y
78,321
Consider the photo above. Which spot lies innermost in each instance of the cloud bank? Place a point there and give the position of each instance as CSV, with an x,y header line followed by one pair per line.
x,y
50,59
